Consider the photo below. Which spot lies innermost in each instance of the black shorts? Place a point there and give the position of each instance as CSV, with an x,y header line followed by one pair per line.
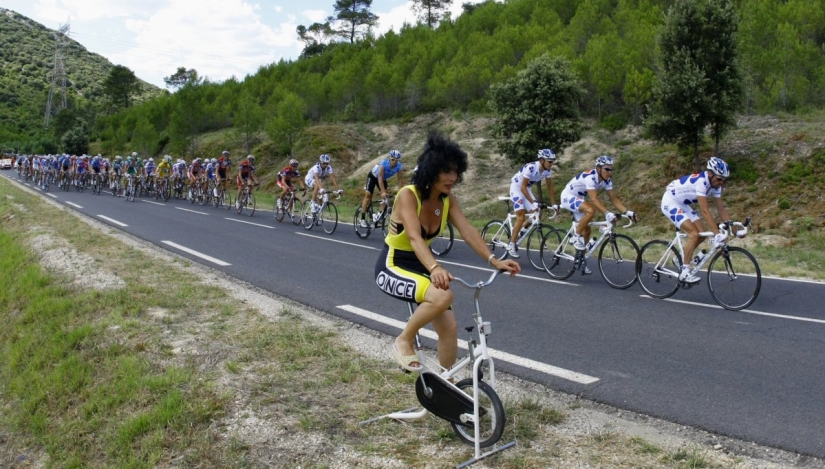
x,y
372,183
222,173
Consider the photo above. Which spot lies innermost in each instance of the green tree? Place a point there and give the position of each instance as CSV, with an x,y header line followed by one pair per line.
x,y
65,120
188,120
145,137
120,85
354,15
430,12
538,108
76,141
289,121
181,78
248,120
693,88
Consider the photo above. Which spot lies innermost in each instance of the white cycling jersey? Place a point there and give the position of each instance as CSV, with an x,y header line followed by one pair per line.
x,y
576,190
681,193
533,173
316,169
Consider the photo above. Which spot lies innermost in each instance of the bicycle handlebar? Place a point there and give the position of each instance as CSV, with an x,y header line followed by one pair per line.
x,y
480,284
728,228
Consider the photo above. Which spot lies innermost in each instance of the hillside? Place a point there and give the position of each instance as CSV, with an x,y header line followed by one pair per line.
x,y
26,62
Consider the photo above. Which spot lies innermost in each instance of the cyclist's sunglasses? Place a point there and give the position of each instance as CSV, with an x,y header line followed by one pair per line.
x,y
609,170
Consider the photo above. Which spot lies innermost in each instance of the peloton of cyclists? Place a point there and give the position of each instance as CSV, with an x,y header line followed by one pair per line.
x,y
377,177
521,192
315,177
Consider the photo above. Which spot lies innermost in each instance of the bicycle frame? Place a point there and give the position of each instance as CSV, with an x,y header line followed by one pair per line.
x,y
531,223
677,241
605,228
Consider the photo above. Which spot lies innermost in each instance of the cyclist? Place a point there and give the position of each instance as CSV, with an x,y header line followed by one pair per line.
x,y
117,165
285,180
586,186
407,269
521,192
223,166
246,175
315,177
149,171
164,169
692,189
378,177
195,172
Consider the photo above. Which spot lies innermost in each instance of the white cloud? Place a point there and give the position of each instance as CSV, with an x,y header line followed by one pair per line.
x,y
89,10
395,18
315,16
278,8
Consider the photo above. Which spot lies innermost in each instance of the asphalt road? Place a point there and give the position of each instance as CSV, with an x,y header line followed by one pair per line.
x,y
755,375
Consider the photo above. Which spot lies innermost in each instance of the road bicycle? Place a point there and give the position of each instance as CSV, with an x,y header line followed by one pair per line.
x,y
290,206
326,214
733,275
196,192
162,191
131,187
116,185
497,233
179,189
95,183
471,405
246,200
617,254
220,196
374,218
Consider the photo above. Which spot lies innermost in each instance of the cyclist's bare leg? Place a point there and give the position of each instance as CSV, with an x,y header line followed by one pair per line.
x,y
446,327
520,217
589,212
436,302
365,202
691,229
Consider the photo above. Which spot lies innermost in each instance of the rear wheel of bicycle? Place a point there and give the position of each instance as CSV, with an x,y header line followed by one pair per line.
x,y
734,278
294,211
329,218
280,211
491,415
533,245
496,235
558,259
658,270
444,242
362,231
617,261
307,217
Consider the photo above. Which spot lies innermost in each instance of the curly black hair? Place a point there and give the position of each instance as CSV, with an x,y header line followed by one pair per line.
x,y
440,155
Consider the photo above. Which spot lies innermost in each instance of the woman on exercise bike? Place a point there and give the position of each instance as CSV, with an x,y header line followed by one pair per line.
x,y
406,268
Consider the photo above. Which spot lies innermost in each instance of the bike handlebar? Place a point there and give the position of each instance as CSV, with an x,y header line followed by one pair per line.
x,y
480,284
728,228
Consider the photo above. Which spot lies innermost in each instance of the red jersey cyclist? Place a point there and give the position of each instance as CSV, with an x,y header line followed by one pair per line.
x,y
223,166
285,180
246,175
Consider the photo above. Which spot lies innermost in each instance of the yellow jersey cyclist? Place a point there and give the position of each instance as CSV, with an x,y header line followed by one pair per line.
x,y
692,189
377,177
164,169
521,192
580,196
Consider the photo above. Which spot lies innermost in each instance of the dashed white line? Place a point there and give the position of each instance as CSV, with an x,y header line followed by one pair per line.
x,y
336,241
196,253
187,210
748,311
73,205
156,203
250,223
51,195
110,220
497,354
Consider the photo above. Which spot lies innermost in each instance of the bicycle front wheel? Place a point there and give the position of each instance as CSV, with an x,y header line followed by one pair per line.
x,y
734,278
250,203
444,242
240,203
533,247
307,217
491,415
617,261
557,254
496,235
658,268
361,223
294,211
329,218
280,212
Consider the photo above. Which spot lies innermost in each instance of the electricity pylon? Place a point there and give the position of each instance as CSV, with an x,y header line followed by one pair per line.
x,y
58,85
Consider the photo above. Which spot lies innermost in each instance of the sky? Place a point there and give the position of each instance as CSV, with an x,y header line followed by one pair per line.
x,y
218,38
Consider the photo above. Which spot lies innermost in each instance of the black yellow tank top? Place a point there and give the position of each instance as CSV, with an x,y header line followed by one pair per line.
x,y
397,238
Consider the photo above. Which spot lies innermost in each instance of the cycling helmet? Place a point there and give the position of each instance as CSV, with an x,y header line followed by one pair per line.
x,y
718,167
134,154
395,154
250,158
198,160
118,158
225,153
129,159
214,161
603,160
151,160
547,154
167,158
293,162
324,158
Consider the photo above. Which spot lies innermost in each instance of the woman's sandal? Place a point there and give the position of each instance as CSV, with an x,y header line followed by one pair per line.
x,y
405,360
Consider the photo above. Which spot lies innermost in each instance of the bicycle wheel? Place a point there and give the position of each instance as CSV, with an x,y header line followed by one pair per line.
x,y
363,231
329,218
250,203
617,261
240,202
307,217
655,269
734,278
491,415
533,246
279,211
217,200
167,193
444,242
557,254
496,234
294,211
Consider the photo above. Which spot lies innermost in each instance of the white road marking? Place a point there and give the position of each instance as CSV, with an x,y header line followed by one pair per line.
x,y
250,223
73,205
499,355
156,203
196,253
51,195
748,311
336,241
187,210
112,221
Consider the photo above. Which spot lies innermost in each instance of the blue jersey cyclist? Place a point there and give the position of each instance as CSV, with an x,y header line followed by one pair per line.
x,y
383,171
580,196
696,189
521,192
